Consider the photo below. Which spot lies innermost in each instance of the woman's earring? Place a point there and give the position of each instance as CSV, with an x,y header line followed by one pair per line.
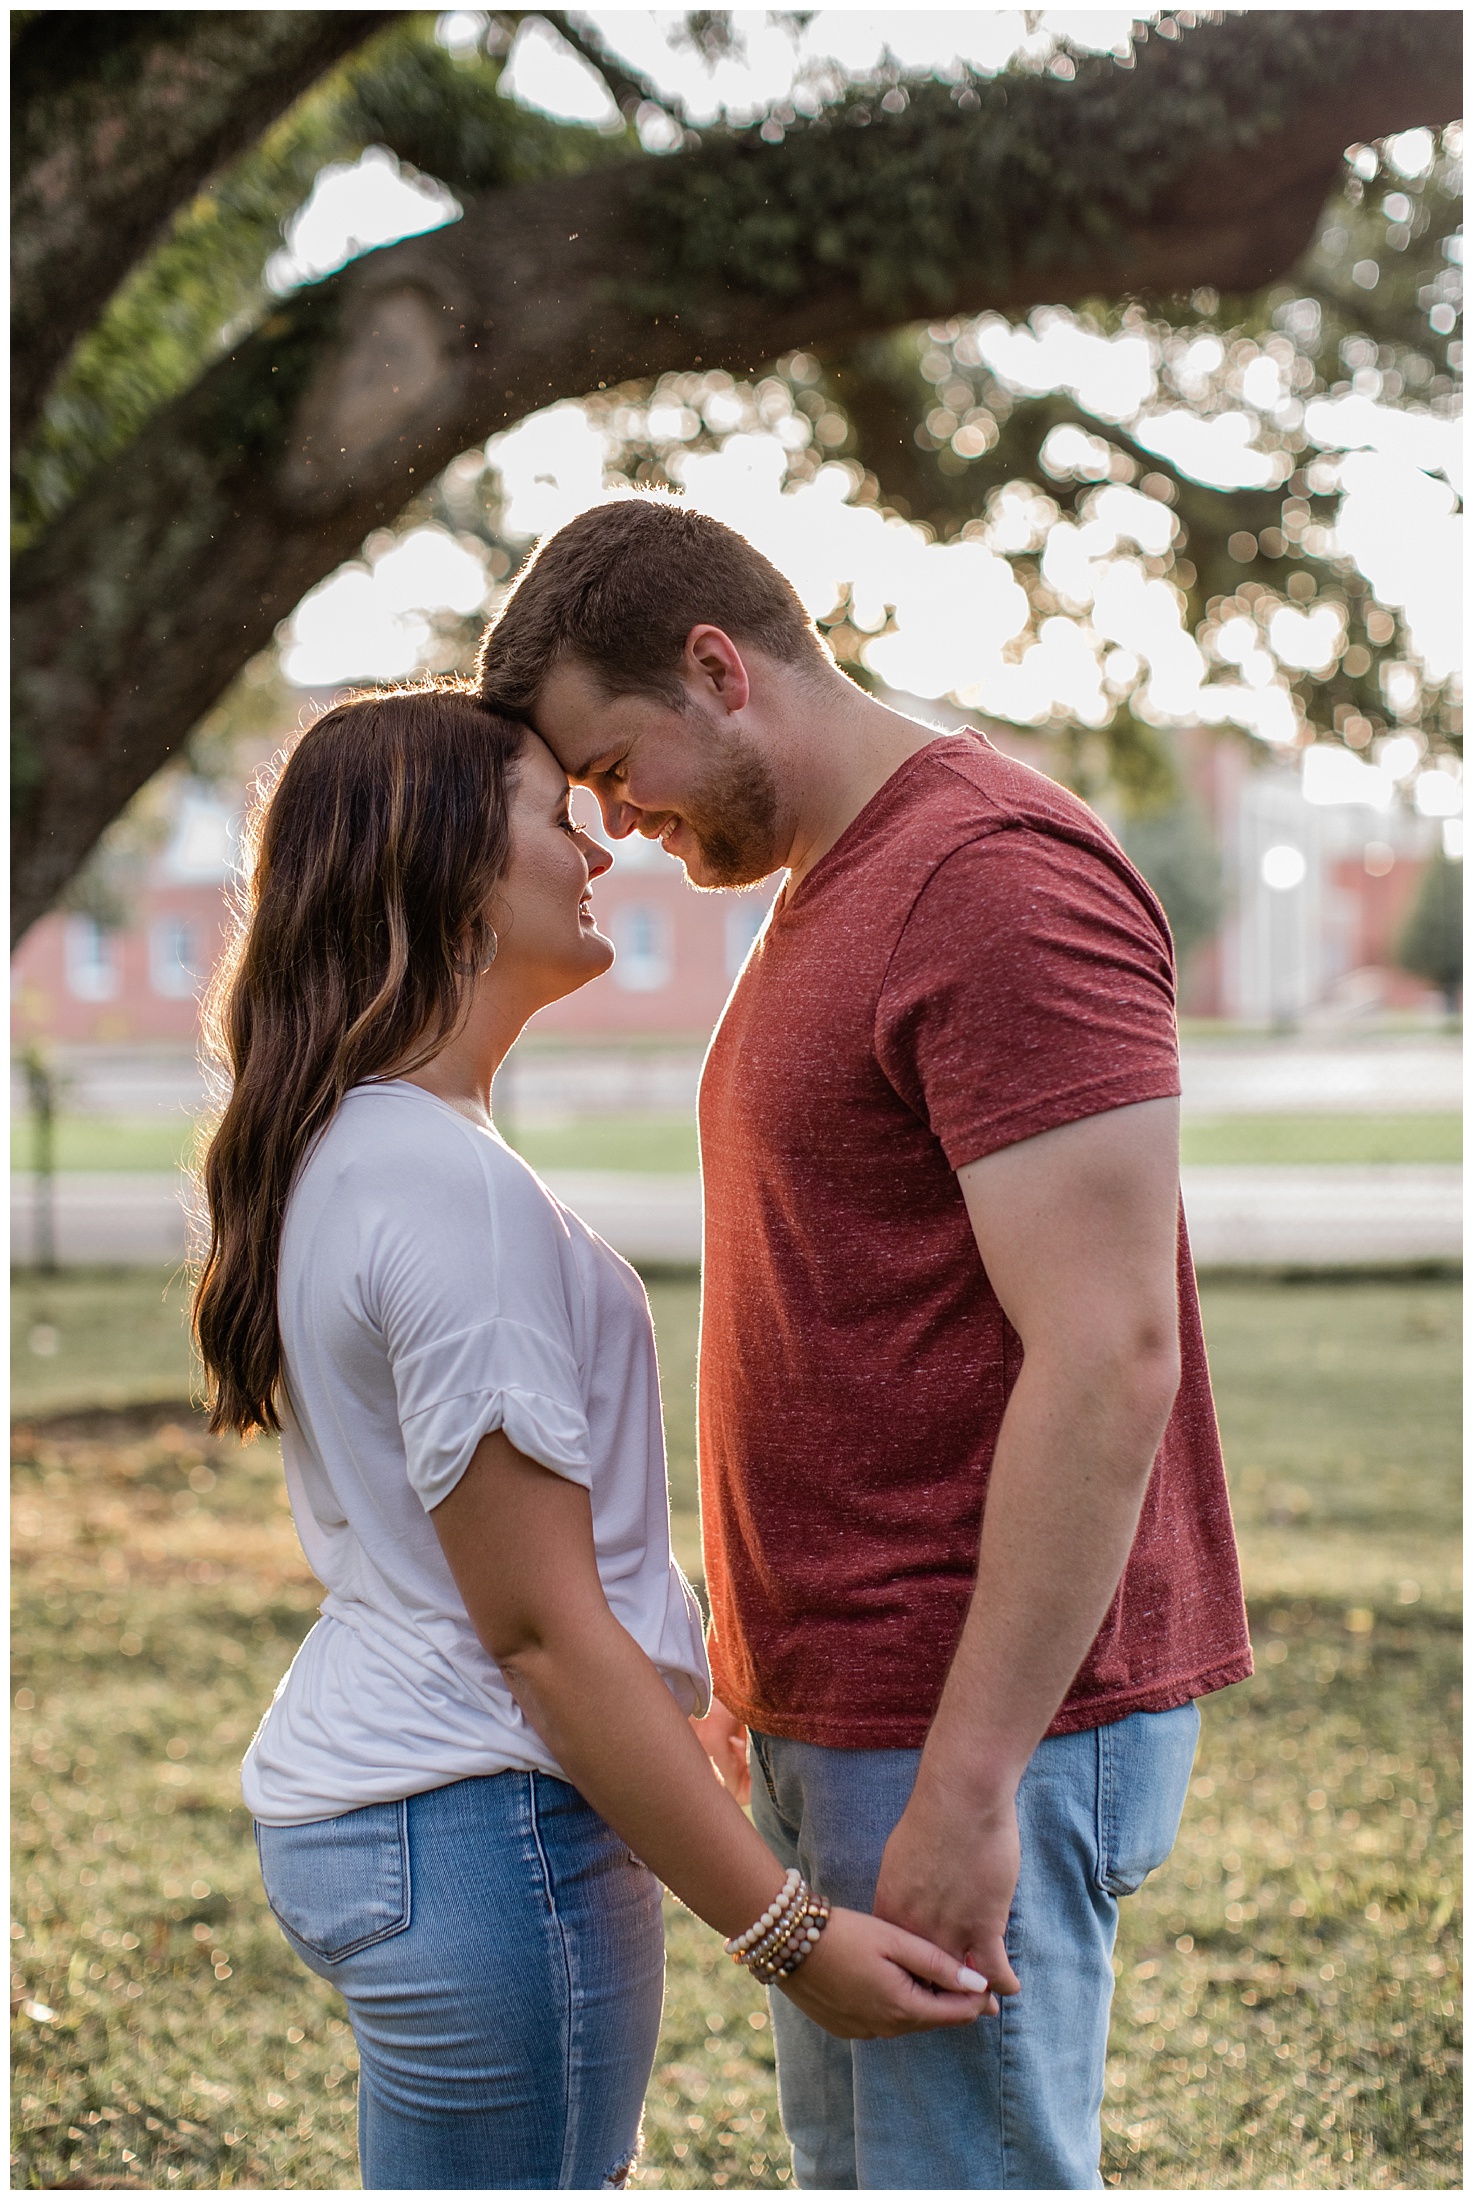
x,y
495,948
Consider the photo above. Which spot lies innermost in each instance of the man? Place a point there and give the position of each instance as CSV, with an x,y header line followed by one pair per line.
x,y
967,1538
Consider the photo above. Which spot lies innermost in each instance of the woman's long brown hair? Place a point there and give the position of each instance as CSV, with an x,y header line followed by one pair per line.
x,y
370,871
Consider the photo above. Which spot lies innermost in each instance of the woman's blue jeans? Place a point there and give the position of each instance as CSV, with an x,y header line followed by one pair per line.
x,y
1011,2102
501,1953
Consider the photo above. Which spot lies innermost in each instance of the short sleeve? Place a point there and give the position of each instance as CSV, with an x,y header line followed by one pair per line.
x,y
1032,985
470,1295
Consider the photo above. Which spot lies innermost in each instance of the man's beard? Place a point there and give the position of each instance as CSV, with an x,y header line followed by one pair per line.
x,y
733,817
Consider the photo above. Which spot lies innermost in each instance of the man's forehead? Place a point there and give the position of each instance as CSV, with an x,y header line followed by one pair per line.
x,y
572,715
583,724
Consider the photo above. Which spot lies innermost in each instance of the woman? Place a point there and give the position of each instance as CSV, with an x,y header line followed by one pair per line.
x,y
482,1754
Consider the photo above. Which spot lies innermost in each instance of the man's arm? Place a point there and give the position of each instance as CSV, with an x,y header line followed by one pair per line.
x,y
1077,1229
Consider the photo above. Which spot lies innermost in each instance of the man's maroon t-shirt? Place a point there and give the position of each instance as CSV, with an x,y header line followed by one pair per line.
x,y
974,961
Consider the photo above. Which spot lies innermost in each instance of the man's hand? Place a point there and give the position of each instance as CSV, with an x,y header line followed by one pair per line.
x,y
949,1873
724,1739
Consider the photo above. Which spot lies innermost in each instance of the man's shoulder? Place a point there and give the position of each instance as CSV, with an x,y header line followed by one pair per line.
x,y
990,835
964,787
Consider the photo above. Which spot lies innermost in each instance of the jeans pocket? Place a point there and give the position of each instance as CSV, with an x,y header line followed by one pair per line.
x,y
339,1884
757,1756
1144,1768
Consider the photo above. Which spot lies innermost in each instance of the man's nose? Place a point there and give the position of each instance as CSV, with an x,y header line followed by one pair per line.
x,y
620,818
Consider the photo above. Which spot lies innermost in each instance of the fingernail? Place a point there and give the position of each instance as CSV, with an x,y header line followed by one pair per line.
x,y
972,1981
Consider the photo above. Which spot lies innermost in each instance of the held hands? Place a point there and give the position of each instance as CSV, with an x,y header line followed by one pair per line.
x,y
866,1978
950,1872
869,1980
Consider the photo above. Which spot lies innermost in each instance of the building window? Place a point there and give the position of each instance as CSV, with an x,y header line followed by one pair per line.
x,y
744,920
641,937
92,972
173,958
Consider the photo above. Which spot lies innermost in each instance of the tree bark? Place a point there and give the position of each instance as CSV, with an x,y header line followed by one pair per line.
x,y
118,120
176,564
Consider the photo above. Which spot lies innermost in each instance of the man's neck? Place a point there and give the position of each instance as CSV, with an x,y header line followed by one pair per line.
x,y
845,751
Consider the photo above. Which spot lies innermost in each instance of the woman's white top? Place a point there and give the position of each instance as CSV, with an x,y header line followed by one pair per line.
x,y
431,1290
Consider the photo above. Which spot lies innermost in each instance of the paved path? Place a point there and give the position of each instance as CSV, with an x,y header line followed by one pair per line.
x,y
1221,1077
114,1219
1415,1074
1323,1217
1237,1217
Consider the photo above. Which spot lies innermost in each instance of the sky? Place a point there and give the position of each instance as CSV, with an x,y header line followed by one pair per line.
x,y
776,53
957,606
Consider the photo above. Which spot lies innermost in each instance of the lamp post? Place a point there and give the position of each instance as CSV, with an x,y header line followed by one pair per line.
x,y
41,1085
1283,871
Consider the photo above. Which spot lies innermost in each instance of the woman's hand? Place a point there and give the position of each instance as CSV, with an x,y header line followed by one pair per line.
x,y
724,1739
869,1980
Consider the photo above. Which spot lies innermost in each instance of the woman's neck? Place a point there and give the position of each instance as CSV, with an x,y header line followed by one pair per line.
x,y
461,1074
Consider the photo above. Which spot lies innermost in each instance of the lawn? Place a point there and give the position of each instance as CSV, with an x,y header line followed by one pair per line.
x,y
667,1142
1267,1140
1287,2012
98,1337
154,1141
642,1140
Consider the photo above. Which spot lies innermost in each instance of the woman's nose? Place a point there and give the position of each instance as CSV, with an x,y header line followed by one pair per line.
x,y
596,855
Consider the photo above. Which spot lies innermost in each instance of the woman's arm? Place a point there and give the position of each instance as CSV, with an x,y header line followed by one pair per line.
x,y
519,1541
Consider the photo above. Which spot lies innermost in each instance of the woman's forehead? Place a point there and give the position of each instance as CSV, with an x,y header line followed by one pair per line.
x,y
540,774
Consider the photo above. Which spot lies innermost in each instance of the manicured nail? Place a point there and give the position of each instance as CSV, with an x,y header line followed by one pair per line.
x,y
972,1982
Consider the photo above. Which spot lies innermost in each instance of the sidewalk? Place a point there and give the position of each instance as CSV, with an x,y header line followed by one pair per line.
x,y
1417,1074
1229,1077
1236,1217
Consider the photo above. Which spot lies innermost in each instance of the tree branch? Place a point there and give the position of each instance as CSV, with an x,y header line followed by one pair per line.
x,y
180,558
629,90
118,121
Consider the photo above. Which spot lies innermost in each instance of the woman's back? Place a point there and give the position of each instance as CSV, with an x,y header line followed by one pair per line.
x,y
431,1290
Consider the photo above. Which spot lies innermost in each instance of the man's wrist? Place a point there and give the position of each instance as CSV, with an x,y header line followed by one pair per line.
x,y
979,1780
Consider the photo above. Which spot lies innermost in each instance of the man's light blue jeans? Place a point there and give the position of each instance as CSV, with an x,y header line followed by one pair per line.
x,y
1013,2102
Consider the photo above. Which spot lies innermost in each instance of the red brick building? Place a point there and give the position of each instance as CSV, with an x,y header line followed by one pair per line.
x,y
74,980
1328,943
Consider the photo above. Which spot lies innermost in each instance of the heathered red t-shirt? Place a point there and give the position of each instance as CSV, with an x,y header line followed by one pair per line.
x,y
974,961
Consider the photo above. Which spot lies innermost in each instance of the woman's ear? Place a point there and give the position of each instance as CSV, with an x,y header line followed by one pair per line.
x,y
480,943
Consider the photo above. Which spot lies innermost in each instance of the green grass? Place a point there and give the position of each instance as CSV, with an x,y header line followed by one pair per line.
x,y
665,1143
1340,1407
661,1144
1267,1140
658,1142
1287,2010
98,1337
107,1142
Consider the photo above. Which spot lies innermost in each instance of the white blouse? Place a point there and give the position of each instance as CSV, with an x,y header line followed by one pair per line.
x,y
431,1289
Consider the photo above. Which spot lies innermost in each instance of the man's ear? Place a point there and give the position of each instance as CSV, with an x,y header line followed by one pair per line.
x,y
714,668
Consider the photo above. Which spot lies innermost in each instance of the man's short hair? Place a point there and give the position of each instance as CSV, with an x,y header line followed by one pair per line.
x,y
619,588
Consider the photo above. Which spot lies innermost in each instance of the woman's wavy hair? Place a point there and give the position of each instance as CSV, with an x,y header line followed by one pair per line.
x,y
370,867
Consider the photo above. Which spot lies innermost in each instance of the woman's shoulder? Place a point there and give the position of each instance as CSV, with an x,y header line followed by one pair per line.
x,y
408,1197
398,1150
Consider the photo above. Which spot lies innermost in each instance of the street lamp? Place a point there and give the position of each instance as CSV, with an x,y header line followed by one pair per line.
x,y
1283,871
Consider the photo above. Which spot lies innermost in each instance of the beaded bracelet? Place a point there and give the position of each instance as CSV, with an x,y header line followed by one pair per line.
x,y
770,1949
797,1946
781,1903
785,1935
